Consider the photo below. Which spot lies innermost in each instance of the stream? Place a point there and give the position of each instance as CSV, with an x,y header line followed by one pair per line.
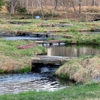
x,y
72,50
43,79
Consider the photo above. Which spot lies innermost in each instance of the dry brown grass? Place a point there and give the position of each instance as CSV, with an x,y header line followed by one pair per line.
x,y
4,9
8,64
81,70
92,9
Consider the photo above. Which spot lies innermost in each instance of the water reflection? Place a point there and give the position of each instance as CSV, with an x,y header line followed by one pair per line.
x,y
72,51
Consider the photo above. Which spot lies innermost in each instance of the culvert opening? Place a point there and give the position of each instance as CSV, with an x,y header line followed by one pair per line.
x,y
44,68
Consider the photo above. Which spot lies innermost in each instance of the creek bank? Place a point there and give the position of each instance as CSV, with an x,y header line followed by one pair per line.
x,y
14,60
81,69
28,33
80,92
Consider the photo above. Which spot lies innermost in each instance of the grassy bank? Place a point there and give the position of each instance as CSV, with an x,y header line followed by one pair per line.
x,y
81,92
71,33
34,25
81,69
14,59
83,38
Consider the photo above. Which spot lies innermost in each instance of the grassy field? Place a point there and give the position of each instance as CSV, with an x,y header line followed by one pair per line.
x,y
79,92
72,31
34,24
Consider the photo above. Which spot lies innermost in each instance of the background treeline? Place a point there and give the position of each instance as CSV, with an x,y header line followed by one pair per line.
x,y
47,7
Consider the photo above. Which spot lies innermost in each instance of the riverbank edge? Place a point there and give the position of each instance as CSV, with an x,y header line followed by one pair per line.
x,y
79,92
69,40
77,41
15,60
21,32
80,70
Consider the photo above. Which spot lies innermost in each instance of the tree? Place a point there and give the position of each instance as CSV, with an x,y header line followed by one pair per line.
x,y
1,3
93,2
80,6
13,4
56,3
73,5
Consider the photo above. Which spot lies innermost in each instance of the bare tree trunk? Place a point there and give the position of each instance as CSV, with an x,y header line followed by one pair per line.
x,y
32,8
56,3
73,5
93,2
12,7
27,1
80,6
41,8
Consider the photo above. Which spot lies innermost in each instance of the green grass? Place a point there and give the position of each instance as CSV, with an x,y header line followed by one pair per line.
x,y
25,70
10,48
14,59
34,25
73,31
79,92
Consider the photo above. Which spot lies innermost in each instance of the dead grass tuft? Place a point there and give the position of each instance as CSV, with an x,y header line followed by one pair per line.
x,y
8,64
4,9
81,70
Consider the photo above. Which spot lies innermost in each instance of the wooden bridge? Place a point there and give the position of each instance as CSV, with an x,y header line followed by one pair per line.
x,y
53,60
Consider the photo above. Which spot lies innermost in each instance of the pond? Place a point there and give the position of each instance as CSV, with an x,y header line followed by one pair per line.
x,y
72,50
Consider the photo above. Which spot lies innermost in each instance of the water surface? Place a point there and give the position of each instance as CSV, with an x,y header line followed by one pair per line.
x,y
72,50
42,80
23,38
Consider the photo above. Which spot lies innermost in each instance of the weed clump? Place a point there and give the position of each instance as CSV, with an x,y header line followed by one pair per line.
x,y
81,69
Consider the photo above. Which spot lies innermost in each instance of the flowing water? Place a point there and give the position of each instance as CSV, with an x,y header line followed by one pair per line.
x,y
24,38
41,80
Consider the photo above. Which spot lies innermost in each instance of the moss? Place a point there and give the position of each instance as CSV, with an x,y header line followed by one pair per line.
x,y
25,70
1,71
64,76
48,39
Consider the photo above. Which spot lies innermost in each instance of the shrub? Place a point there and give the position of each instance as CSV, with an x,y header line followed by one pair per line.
x,y
22,10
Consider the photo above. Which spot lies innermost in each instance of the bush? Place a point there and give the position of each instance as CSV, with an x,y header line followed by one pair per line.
x,y
22,10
